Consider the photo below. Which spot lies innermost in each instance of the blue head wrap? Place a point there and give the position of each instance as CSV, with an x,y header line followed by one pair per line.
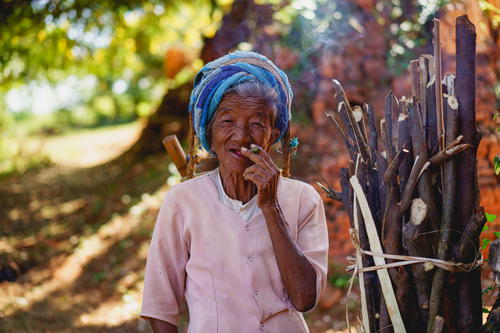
x,y
216,77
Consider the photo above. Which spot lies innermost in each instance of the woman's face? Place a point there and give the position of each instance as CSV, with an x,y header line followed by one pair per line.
x,y
240,121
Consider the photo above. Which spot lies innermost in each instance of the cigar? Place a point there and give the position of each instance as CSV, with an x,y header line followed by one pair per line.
x,y
254,148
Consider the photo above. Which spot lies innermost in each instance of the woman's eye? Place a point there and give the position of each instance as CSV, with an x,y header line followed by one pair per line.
x,y
257,124
227,121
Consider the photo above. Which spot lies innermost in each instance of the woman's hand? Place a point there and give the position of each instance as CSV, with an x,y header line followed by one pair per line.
x,y
264,174
297,273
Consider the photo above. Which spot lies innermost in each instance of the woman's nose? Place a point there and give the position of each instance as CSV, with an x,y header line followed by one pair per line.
x,y
240,132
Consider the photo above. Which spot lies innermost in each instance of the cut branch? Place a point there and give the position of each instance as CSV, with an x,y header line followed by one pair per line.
x,y
449,187
439,92
468,286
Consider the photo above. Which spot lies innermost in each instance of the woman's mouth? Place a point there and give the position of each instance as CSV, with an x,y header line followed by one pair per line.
x,y
236,153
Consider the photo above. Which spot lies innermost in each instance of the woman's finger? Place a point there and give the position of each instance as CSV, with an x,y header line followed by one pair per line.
x,y
260,156
254,157
266,156
255,178
257,169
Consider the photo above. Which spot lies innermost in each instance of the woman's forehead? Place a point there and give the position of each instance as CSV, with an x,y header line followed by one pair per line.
x,y
244,106
245,112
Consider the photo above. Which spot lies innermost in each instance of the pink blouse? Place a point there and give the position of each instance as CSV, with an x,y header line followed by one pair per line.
x,y
225,266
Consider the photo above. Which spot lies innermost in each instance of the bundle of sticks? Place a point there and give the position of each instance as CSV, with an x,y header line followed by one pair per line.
x,y
411,185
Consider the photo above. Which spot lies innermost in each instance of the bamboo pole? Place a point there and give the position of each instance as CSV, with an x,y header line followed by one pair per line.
x,y
385,281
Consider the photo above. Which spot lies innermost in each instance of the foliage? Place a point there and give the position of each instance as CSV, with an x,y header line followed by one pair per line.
x,y
50,38
339,280
121,44
490,218
492,11
112,53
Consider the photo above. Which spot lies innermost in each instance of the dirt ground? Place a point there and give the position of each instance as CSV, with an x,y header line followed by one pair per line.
x,y
74,239
75,235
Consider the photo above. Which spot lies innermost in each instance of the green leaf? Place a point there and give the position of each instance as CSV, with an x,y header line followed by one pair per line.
x,y
485,310
490,217
496,163
497,234
485,243
485,228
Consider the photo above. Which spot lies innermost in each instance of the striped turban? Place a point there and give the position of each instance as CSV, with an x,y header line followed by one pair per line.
x,y
216,77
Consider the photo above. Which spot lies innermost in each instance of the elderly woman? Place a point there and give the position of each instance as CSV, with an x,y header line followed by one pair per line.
x,y
246,248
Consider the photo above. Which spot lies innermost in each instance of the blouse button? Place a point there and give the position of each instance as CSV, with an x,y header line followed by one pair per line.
x,y
256,292
247,229
250,259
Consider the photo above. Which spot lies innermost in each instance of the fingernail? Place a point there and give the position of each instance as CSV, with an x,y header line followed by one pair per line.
x,y
243,149
252,146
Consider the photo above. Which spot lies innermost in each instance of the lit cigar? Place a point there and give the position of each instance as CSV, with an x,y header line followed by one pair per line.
x,y
254,148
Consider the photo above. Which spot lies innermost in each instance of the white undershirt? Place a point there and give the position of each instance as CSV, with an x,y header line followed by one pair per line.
x,y
246,211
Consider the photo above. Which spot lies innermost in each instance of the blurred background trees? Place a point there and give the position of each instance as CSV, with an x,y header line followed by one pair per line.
x,y
75,64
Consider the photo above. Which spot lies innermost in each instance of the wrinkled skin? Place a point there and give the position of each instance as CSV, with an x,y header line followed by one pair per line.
x,y
241,124
238,124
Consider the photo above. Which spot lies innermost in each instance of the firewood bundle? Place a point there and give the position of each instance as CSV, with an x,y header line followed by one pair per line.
x,y
413,200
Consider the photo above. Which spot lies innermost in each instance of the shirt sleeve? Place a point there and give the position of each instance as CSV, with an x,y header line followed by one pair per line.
x,y
165,275
312,236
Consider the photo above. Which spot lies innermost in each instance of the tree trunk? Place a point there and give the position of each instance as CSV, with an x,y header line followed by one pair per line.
x,y
171,115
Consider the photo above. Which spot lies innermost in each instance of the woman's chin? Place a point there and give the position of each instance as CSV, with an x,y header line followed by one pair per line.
x,y
234,165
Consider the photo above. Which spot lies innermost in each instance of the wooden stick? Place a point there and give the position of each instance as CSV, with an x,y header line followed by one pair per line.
x,y
449,186
439,324
448,152
364,307
348,141
420,149
418,243
372,130
430,117
174,149
404,142
415,79
438,90
385,281
469,312
358,114
373,193
388,107
407,196
347,197
345,108
370,278
382,187
468,246
391,171
392,238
